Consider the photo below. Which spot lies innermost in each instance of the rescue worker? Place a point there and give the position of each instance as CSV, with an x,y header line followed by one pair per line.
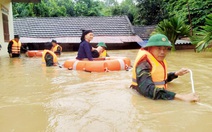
x,y
150,71
56,48
14,47
100,51
49,58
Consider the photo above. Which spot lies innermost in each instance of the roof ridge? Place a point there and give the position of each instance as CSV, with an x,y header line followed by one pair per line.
x,y
116,16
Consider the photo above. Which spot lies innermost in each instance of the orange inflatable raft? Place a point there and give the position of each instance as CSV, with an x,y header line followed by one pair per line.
x,y
34,53
108,64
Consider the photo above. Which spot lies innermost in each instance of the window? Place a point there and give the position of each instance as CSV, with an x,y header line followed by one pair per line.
x,y
6,28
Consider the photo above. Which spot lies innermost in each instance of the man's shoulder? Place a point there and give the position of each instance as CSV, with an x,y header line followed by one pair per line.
x,y
11,41
144,64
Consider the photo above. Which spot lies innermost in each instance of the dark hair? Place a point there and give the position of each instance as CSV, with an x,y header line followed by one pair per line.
x,y
16,36
54,41
85,32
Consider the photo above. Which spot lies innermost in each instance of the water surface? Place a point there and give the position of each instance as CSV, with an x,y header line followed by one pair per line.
x,y
35,98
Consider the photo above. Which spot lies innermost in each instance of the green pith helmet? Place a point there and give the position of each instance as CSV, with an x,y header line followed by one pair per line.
x,y
102,44
158,40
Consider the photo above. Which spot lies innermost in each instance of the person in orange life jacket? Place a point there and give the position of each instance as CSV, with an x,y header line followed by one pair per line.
x,y
100,51
14,47
56,48
49,58
150,71
84,51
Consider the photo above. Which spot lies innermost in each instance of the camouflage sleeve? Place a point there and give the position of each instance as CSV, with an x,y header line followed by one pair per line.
x,y
171,76
146,87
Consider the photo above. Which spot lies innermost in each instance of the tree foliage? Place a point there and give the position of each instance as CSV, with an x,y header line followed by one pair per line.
x,y
198,10
151,12
127,7
55,8
203,36
140,12
173,28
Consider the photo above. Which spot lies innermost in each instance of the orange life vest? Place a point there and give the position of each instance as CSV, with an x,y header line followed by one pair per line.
x,y
103,54
158,71
16,47
55,61
54,49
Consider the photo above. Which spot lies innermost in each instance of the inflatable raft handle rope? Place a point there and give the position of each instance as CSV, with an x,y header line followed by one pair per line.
x,y
193,90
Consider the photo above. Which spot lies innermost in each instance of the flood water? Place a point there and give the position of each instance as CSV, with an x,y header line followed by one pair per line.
x,y
34,98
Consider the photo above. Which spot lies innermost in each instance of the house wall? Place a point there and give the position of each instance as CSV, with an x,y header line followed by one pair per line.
x,y
184,46
5,4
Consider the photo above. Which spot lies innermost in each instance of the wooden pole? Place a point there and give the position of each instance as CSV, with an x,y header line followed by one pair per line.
x,y
189,17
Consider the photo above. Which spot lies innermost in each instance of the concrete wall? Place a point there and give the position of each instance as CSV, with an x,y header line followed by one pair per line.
x,y
8,5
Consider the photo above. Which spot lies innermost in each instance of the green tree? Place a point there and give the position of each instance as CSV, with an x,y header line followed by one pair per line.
x,y
87,8
126,7
46,8
173,28
198,9
20,10
69,5
129,8
203,37
41,9
151,12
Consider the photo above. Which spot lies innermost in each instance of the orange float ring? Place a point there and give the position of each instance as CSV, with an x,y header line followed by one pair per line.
x,y
34,53
108,64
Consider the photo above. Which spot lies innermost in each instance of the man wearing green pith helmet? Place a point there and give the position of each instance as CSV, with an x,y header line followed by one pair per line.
x,y
150,75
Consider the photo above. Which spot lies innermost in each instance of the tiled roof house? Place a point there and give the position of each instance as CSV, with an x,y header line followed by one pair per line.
x,y
145,31
116,30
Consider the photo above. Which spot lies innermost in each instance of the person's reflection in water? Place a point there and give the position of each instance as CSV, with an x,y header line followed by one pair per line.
x,y
16,62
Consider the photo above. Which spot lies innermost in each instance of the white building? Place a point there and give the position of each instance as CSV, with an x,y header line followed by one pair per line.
x,y
6,23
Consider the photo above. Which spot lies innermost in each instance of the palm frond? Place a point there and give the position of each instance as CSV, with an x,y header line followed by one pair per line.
x,y
172,28
203,38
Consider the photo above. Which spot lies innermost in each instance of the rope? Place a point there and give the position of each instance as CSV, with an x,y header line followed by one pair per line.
x,y
193,90
192,81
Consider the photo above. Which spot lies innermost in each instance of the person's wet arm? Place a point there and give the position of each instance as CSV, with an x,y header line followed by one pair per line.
x,y
146,86
58,51
9,48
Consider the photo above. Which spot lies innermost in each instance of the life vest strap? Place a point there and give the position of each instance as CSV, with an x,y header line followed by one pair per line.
x,y
160,83
156,83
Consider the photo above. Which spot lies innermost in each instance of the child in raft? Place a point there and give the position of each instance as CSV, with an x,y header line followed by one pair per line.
x,y
100,51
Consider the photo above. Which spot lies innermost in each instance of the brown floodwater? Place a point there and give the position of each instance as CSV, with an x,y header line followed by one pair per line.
x,y
34,98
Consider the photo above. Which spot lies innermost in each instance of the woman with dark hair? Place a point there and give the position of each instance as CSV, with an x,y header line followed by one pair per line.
x,y
85,49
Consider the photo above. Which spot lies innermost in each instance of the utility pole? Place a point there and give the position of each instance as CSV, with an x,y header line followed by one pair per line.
x,y
189,17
